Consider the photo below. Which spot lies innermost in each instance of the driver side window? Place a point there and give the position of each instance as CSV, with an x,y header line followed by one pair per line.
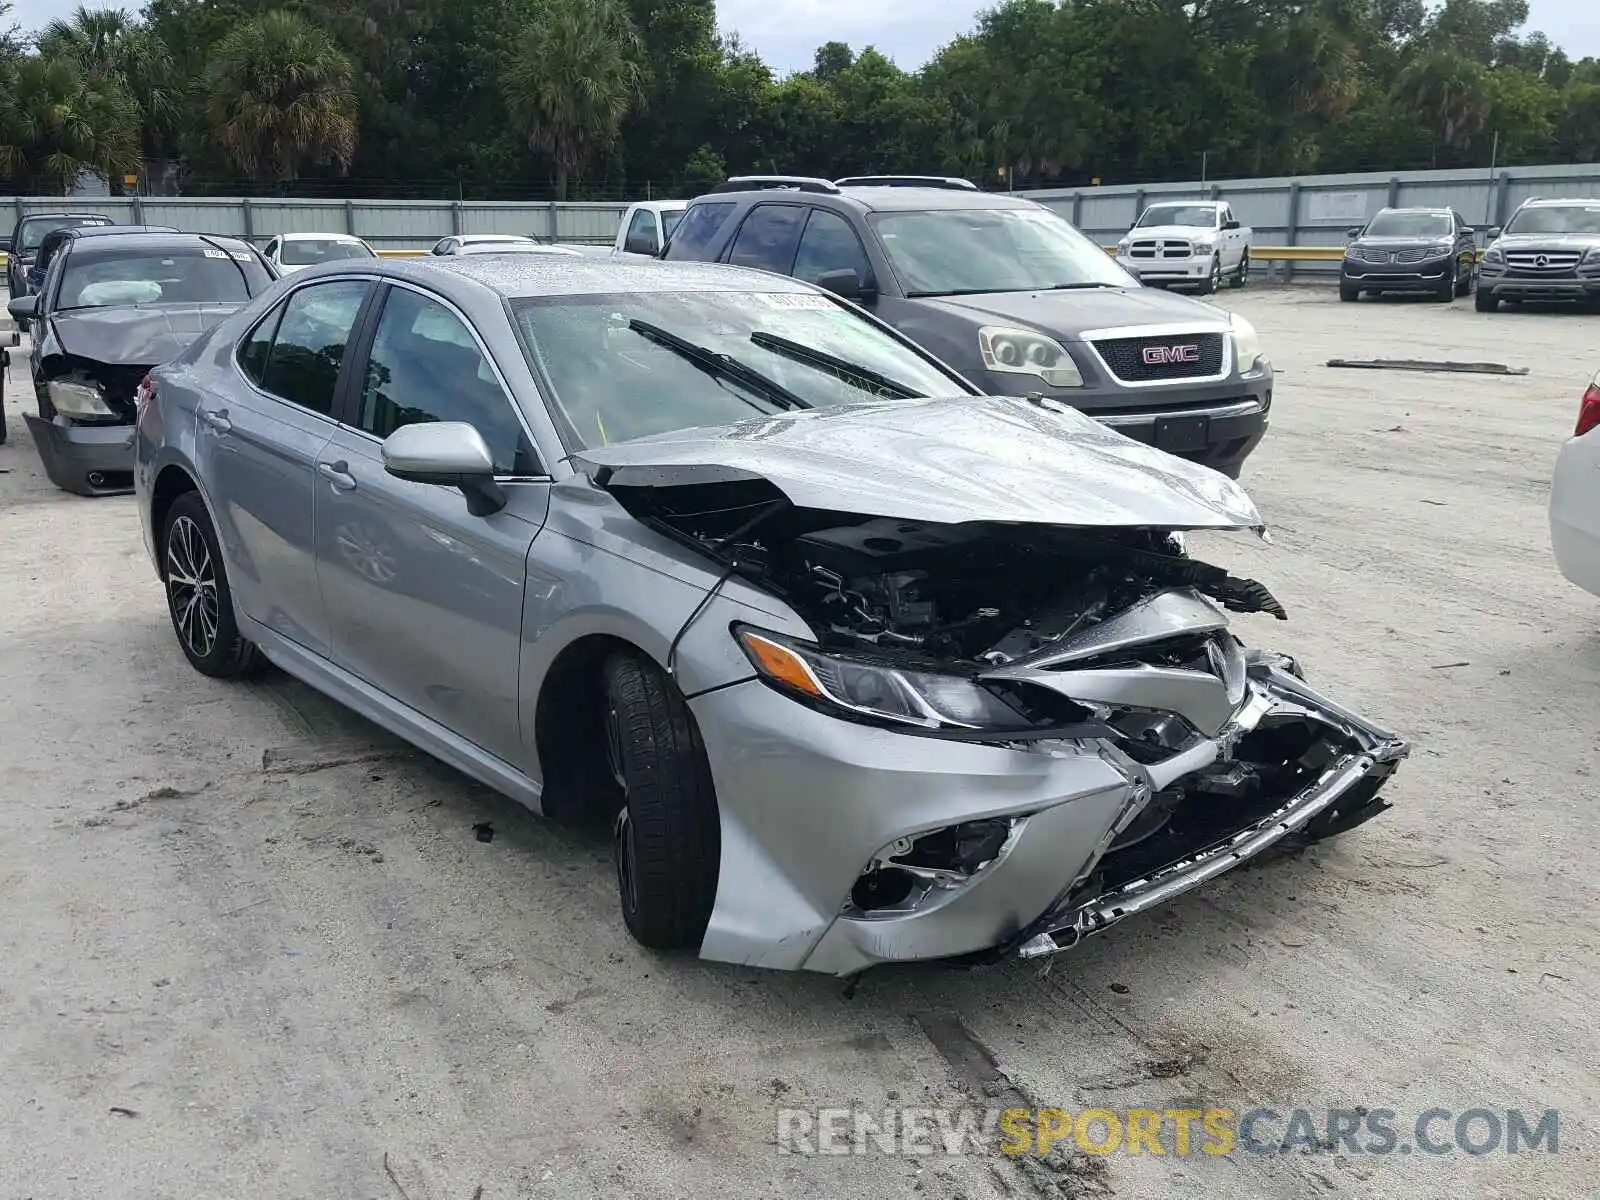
x,y
425,365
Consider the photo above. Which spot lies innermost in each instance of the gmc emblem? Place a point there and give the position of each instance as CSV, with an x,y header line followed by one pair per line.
x,y
1159,356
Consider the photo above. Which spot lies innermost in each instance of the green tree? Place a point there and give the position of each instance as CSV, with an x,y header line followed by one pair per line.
x,y
573,74
281,99
108,45
56,123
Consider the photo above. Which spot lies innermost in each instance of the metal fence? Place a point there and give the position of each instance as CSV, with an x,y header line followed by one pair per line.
x,y
1307,211
393,225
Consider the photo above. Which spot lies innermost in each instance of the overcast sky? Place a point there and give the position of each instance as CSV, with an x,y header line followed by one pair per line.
x,y
909,31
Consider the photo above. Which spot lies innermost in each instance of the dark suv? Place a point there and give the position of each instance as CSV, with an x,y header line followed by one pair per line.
x,y
1549,250
1410,250
1009,294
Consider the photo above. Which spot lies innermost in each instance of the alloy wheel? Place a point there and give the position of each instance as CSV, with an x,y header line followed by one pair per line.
x,y
192,587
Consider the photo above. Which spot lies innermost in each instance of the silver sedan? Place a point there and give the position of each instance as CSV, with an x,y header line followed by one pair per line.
x,y
860,665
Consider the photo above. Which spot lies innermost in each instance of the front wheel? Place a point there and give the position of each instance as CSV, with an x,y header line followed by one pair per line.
x,y
667,838
198,599
1450,285
1485,301
1348,292
1464,281
1213,283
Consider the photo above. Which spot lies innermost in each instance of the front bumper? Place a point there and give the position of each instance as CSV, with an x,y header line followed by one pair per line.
x,y
807,802
88,460
1388,277
1515,287
1195,269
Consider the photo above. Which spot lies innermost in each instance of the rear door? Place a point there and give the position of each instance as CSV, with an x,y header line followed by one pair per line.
x,y
259,446
768,238
425,599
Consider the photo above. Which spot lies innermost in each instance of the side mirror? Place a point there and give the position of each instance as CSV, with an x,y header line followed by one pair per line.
x,y
1354,233
643,241
846,284
24,308
1230,224
447,453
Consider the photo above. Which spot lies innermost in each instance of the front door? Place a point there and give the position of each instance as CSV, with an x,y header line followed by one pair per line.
x,y
424,599
260,449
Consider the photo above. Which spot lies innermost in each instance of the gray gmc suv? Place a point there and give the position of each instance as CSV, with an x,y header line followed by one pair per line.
x,y
1009,294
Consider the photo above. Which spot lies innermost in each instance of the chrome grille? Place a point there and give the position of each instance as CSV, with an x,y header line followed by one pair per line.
x,y
1411,256
1160,248
1540,262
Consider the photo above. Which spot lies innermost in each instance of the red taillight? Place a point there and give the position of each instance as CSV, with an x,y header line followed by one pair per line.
x,y
145,394
1589,410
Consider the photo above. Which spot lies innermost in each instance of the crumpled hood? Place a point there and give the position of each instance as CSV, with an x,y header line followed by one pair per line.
x,y
1069,313
135,336
947,460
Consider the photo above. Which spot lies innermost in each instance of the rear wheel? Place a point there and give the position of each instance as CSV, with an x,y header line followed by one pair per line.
x,y
1485,301
1241,276
667,838
198,599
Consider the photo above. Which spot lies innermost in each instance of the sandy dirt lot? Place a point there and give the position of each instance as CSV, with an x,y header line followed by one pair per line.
x,y
251,947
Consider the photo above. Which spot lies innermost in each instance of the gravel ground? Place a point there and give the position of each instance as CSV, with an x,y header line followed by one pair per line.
x,y
251,946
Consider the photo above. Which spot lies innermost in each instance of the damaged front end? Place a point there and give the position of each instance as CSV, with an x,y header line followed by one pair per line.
x,y
1054,726
85,425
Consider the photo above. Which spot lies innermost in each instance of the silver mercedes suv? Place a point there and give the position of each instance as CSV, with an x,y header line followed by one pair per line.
x,y
1549,250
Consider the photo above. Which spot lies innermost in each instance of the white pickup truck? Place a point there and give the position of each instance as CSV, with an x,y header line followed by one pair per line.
x,y
647,225
1197,242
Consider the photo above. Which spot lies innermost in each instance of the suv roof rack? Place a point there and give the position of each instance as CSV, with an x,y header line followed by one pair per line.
x,y
949,182
758,183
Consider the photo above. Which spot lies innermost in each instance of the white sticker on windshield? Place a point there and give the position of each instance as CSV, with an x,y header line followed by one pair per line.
x,y
210,253
794,300
242,255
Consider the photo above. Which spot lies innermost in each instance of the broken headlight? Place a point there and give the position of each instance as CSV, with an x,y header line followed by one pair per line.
x,y
78,399
1022,352
859,689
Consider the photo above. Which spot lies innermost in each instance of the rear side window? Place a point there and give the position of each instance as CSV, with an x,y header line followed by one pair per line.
x,y
698,229
253,350
768,238
303,364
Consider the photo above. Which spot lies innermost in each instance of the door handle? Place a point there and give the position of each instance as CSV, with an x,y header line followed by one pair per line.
x,y
338,474
218,420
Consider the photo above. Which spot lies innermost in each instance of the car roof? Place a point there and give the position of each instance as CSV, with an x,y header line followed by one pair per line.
x,y
317,237
56,216
81,231
490,237
882,199
518,276
146,240
1432,209
1557,201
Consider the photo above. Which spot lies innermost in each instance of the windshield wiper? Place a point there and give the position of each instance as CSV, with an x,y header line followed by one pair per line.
x,y
1073,287
719,366
827,362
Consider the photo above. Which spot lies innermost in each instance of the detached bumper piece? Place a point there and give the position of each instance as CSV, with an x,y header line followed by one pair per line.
x,y
1350,758
87,460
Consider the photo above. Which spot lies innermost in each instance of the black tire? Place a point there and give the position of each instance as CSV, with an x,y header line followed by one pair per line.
x,y
667,837
1241,274
198,599
1464,281
1485,301
1213,281
1348,292
2,405
1450,285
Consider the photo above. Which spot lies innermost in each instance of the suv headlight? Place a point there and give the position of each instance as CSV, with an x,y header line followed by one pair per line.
x,y
1022,352
861,690
1123,244
78,399
1493,254
1246,342
1593,255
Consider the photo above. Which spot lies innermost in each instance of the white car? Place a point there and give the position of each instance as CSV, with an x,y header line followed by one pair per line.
x,y
291,252
1575,498
1196,242
481,243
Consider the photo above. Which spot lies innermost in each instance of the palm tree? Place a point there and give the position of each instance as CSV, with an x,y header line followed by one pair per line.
x,y
56,123
573,75
281,98
105,43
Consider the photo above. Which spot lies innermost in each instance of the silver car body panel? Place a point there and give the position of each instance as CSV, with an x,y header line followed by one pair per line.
x,y
952,460
447,629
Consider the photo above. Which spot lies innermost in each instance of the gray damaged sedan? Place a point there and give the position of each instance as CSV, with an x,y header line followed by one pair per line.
x,y
861,665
